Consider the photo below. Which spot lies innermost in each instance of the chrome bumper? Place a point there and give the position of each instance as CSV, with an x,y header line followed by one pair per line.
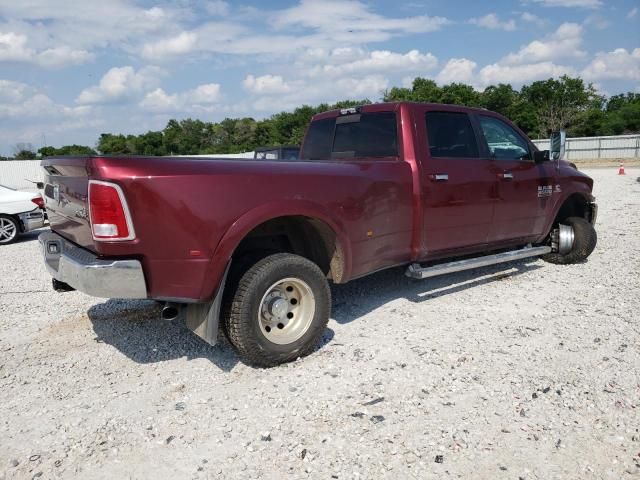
x,y
32,220
85,272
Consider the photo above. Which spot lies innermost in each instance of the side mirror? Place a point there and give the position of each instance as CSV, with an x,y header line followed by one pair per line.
x,y
541,156
40,185
556,145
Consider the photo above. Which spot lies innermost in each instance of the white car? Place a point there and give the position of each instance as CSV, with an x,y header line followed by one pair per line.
x,y
20,212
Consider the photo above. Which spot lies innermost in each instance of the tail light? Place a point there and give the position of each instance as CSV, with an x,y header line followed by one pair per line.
x,y
109,213
38,201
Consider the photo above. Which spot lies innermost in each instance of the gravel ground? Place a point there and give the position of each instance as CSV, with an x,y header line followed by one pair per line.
x,y
527,370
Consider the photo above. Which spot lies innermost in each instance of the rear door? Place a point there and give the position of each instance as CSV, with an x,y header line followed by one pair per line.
x,y
525,188
458,188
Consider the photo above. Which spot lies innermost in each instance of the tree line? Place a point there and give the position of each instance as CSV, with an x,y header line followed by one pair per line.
x,y
537,108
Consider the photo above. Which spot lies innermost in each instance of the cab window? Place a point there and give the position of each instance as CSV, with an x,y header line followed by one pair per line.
x,y
317,143
503,141
366,135
450,134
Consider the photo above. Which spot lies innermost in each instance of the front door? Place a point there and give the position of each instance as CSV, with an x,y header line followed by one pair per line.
x,y
458,188
525,188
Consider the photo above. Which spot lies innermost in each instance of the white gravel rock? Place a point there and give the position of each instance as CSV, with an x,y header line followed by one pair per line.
x,y
525,370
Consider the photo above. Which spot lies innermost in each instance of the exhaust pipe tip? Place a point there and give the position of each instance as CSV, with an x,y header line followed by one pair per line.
x,y
170,311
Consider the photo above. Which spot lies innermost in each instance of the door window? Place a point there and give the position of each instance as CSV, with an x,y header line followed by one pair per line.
x,y
503,141
450,134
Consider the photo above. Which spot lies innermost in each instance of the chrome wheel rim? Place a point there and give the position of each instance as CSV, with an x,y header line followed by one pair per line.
x,y
286,311
8,230
565,239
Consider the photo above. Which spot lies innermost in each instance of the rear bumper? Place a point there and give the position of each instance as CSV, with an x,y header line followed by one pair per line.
x,y
32,220
89,274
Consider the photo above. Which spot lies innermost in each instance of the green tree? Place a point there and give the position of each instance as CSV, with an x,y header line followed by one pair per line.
x,y
110,144
66,150
559,103
500,98
25,155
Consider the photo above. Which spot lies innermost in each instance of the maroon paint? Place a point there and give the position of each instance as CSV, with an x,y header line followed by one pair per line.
x,y
183,204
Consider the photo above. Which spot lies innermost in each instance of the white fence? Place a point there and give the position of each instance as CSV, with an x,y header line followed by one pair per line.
x,y
20,174
594,148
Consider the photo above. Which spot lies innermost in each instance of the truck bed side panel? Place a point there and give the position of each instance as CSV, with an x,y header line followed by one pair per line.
x,y
182,207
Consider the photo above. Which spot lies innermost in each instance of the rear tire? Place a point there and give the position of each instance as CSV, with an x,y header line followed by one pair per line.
x,y
279,310
9,229
584,242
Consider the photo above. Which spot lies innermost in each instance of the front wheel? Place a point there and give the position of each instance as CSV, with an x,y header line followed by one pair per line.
x,y
279,310
574,239
9,229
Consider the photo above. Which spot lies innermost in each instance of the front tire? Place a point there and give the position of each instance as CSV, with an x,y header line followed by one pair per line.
x,y
584,242
9,229
279,310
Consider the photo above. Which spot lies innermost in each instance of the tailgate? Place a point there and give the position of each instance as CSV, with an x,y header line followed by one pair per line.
x,y
65,196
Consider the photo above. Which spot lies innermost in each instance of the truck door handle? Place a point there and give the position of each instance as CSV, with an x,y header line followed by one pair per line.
x,y
439,177
506,176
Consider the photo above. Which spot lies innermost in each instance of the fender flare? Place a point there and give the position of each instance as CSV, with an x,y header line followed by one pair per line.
x,y
269,211
586,194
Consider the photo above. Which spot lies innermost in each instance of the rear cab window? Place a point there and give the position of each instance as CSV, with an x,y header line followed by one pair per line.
x,y
503,141
451,134
358,135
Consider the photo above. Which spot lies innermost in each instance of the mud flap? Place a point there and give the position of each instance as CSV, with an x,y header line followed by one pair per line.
x,y
203,318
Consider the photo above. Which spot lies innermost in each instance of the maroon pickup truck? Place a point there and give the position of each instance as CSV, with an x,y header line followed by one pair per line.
x,y
252,244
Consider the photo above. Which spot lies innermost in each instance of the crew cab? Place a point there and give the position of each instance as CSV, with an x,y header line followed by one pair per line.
x,y
20,212
252,244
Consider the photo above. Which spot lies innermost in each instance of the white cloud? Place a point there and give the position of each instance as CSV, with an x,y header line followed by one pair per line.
x,y
64,55
265,84
531,18
518,75
571,3
565,42
13,47
459,70
618,64
159,101
204,94
597,21
315,90
464,70
311,24
343,61
200,98
493,22
336,16
120,84
178,45
70,32
21,101
632,13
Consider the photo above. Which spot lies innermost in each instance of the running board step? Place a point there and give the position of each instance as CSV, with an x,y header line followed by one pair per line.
x,y
415,270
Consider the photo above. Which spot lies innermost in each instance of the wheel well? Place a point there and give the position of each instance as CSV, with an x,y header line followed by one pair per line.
x,y
574,206
308,237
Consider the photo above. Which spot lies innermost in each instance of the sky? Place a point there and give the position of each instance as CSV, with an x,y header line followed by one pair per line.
x,y
70,70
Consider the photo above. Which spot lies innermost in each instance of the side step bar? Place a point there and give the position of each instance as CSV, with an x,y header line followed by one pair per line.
x,y
415,270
